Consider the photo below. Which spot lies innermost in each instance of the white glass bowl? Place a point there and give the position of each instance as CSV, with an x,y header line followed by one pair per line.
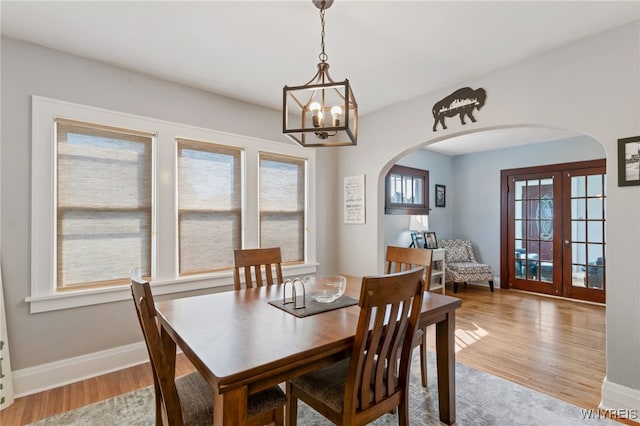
x,y
325,288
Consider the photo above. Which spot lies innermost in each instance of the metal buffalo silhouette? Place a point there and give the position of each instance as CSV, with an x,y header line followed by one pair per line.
x,y
462,102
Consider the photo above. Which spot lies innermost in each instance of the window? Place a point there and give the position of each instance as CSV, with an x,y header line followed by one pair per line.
x,y
112,191
407,191
282,201
209,201
103,204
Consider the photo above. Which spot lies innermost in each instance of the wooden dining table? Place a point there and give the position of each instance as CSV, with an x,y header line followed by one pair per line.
x,y
241,344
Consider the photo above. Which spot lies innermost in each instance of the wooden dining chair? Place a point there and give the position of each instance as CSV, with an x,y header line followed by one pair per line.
x,y
402,259
256,263
359,389
188,400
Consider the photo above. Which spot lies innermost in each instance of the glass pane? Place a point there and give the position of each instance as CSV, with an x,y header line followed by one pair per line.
x,y
546,188
519,268
533,187
532,209
594,186
546,251
519,226
595,231
519,194
417,191
578,186
578,208
396,188
546,229
578,230
519,247
594,276
546,272
532,269
518,210
533,232
577,275
595,253
579,253
594,208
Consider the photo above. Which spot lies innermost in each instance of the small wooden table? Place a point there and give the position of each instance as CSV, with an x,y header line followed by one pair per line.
x,y
241,344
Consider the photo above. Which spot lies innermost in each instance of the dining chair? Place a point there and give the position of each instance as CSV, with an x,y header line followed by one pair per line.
x,y
188,400
368,384
401,259
255,263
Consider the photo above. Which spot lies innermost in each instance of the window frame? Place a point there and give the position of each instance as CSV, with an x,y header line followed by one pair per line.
x,y
391,207
164,265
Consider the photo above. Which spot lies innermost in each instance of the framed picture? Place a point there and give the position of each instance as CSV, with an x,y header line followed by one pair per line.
x,y
629,161
441,195
430,240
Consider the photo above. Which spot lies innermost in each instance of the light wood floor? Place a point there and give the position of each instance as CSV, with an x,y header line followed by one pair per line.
x,y
551,345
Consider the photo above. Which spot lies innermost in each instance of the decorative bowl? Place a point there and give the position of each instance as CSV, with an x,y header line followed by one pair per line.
x,y
325,288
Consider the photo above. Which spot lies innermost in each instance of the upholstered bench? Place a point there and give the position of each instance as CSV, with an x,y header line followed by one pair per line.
x,y
461,264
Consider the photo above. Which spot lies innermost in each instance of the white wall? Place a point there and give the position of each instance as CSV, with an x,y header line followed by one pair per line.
x,y
591,87
28,70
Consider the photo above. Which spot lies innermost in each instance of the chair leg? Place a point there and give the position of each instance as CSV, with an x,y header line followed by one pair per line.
x,y
423,358
455,287
292,407
403,410
491,285
278,416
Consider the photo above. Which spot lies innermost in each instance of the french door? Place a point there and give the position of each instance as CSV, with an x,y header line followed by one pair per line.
x,y
553,218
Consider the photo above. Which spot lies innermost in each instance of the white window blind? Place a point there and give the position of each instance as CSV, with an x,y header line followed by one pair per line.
x,y
209,205
103,210
282,205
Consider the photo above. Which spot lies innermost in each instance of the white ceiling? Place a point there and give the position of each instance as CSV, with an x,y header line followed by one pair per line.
x,y
390,51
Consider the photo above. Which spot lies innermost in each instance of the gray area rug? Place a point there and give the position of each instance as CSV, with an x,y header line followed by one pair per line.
x,y
481,399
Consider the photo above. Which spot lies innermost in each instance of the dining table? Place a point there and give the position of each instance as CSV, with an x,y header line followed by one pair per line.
x,y
242,344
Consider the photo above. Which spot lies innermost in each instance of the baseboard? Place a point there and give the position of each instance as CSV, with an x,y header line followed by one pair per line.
x,y
620,399
47,376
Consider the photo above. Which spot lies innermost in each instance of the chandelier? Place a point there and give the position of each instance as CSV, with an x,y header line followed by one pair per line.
x,y
321,112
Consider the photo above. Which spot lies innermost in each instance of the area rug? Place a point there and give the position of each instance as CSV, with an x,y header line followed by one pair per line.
x,y
481,399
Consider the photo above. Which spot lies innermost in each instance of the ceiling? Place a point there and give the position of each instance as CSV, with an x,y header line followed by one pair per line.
x,y
390,51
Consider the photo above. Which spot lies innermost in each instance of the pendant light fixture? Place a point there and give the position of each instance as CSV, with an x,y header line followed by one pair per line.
x,y
322,112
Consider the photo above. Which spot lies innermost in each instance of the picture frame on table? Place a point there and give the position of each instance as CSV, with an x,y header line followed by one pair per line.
x,y
629,161
441,195
430,240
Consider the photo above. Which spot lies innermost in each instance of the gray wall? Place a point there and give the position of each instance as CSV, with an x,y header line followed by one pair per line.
x,y
28,70
476,182
440,218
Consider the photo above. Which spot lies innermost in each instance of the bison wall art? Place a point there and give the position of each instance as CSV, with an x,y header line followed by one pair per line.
x,y
462,101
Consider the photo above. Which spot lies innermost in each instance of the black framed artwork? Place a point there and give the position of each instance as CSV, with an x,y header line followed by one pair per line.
x,y
629,161
441,195
430,240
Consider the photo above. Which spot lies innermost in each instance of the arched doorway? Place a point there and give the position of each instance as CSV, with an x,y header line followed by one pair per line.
x,y
469,166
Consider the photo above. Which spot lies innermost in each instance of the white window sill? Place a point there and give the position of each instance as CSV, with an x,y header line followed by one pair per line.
x,y
74,299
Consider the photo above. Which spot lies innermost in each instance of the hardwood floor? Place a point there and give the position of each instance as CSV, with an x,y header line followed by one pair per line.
x,y
554,346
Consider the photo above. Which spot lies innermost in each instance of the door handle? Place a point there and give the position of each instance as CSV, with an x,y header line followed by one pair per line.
x,y
567,242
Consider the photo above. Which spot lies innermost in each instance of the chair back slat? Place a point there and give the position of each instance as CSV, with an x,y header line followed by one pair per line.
x,y
400,259
389,311
160,365
255,263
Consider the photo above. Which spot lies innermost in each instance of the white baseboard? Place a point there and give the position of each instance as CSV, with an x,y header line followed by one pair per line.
x,y
47,376
622,399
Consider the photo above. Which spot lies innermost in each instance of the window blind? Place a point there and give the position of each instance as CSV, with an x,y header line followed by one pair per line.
x,y
103,206
209,205
282,205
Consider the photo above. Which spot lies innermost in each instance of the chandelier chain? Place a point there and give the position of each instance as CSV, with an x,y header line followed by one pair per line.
x,y
323,56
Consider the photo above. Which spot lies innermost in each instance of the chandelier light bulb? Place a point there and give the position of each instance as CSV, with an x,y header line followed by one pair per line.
x,y
336,112
316,114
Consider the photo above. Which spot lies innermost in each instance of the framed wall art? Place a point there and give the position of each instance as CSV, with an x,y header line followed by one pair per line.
x,y
629,161
441,195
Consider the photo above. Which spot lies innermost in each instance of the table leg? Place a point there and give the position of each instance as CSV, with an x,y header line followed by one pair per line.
x,y
446,359
230,408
